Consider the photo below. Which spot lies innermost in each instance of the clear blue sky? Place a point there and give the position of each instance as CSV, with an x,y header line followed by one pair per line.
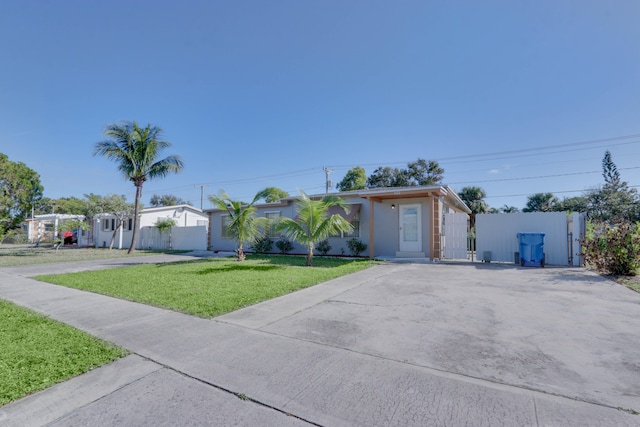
x,y
265,93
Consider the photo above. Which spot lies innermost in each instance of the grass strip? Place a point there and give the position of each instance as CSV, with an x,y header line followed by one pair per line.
x,y
208,288
37,352
15,255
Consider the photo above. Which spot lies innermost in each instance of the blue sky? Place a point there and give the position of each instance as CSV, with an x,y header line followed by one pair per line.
x,y
516,97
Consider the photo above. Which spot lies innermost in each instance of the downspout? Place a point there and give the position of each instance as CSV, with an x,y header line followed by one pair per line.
x,y
371,230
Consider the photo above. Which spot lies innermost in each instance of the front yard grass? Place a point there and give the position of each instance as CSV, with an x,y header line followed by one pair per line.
x,y
37,352
12,255
211,287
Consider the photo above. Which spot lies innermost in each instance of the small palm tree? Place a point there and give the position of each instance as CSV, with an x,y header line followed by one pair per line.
x,y
136,151
313,223
244,224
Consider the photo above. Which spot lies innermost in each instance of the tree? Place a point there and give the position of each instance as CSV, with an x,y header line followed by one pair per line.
x,y
274,194
166,200
473,197
509,209
135,150
20,190
418,173
541,202
70,205
112,204
572,204
614,201
355,179
243,223
313,223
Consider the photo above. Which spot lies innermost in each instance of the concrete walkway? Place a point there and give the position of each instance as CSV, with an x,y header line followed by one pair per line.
x,y
392,345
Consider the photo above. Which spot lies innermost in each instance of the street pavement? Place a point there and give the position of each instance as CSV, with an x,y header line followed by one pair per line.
x,y
447,344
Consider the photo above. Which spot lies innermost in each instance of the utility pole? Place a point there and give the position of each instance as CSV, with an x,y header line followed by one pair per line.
x,y
328,182
202,187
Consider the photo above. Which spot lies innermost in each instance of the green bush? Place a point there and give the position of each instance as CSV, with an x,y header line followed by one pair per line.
x,y
284,245
323,247
613,248
356,246
262,245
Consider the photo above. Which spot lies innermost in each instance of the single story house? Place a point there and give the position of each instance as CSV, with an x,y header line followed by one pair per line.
x,y
104,224
43,228
413,222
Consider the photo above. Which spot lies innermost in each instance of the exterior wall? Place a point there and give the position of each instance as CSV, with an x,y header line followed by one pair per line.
x,y
183,215
498,233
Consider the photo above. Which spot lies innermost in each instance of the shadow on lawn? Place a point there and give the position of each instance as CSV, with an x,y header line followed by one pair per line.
x,y
240,267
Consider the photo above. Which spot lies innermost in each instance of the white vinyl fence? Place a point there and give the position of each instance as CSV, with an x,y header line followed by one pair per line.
x,y
178,238
496,235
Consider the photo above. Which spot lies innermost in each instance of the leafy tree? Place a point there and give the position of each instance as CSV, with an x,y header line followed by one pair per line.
x,y
135,150
313,223
70,205
164,225
610,172
20,190
44,205
112,204
473,197
541,202
244,223
355,179
572,204
274,194
166,200
418,173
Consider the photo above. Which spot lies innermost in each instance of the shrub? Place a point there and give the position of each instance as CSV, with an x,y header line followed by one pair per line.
x,y
323,247
613,248
356,246
262,245
284,245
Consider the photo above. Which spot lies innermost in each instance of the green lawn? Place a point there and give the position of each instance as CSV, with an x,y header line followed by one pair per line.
x,y
11,255
211,287
37,352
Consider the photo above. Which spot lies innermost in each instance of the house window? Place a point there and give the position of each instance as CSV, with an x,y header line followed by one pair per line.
x,y
108,224
355,222
226,222
130,224
271,230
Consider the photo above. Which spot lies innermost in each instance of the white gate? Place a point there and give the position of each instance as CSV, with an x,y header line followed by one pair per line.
x,y
455,235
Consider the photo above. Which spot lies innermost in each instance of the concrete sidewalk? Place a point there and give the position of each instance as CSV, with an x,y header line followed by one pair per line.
x,y
187,370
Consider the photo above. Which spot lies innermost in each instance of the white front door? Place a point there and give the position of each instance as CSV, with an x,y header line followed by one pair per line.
x,y
411,228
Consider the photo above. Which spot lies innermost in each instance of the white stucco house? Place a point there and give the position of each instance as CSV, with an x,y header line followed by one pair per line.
x,y
412,222
185,217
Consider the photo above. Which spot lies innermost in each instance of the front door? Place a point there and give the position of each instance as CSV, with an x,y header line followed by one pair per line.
x,y
411,228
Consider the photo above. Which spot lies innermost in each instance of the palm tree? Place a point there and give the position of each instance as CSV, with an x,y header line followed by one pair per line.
x,y
136,151
243,224
313,223
473,198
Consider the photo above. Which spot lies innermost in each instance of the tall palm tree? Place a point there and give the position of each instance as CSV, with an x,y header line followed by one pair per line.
x,y
244,224
313,223
473,197
135,150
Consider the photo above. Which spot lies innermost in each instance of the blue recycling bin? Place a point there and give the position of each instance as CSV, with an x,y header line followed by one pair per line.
x,y
531,249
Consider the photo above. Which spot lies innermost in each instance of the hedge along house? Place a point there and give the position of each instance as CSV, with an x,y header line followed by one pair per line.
x,y
398,222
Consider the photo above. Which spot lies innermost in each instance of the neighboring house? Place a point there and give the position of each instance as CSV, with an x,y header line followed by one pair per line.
x,y
393,223
43,228
184,216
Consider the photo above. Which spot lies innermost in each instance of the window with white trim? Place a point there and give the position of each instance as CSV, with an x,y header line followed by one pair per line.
x,y
271,230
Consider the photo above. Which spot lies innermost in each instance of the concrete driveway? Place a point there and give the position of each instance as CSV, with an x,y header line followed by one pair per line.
x,y
561,331
398,344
